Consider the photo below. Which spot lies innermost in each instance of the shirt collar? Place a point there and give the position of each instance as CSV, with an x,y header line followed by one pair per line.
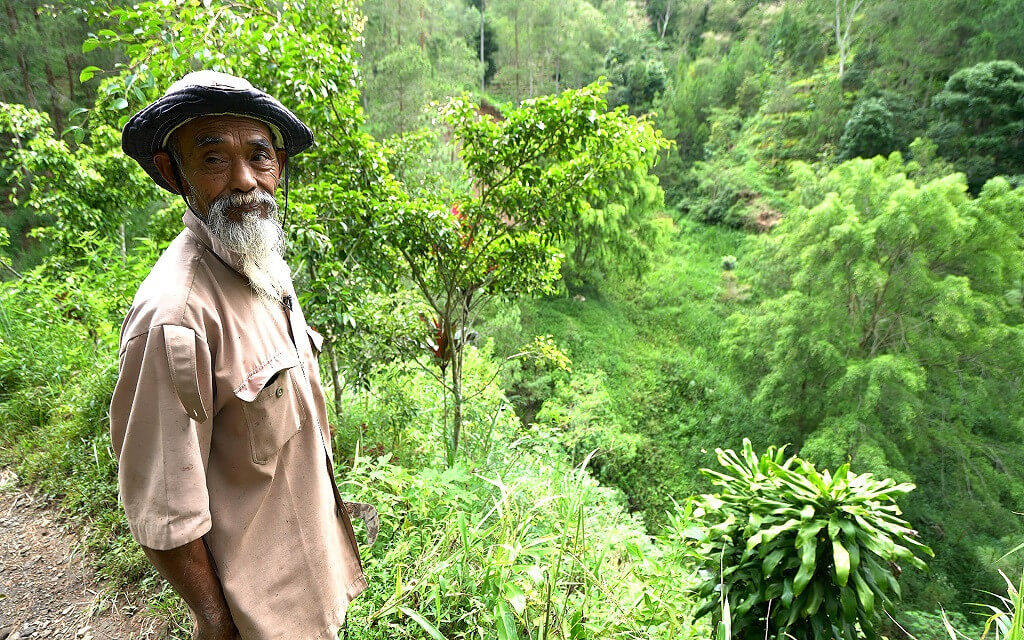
x,y
202,233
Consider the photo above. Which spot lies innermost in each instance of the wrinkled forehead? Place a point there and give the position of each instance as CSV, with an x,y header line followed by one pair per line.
x,y
223,126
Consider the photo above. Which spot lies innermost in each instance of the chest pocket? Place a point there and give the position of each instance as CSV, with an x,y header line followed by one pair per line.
x,y
273,406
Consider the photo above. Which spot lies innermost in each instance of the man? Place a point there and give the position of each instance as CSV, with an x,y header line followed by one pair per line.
x,y
218,418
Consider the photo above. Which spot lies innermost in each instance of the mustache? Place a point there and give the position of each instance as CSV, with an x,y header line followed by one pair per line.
x,y
256,197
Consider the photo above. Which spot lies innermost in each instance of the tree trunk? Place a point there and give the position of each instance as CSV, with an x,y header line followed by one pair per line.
x,y
332,361
483,60
124,245
839,41
558,53
71,78
664,22
515,19
456,403
843,33
423,33
12,21
51,81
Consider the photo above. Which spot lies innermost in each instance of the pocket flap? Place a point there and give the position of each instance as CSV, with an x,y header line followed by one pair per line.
x,y
180,344
316,339
257,379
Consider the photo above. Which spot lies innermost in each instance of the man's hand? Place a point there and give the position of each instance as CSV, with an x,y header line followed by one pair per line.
x,y
189,569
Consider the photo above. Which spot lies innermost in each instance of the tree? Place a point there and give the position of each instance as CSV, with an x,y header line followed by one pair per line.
x,y
845,16
399,88
662,14
533,56
637,74
869,131
483,42
415,51
47,77
888,336
618,228
90,191
980,118
529,175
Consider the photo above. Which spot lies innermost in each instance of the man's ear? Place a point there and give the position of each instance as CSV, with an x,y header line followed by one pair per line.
x,y
162,159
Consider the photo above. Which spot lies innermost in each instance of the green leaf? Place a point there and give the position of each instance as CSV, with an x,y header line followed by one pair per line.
x,y
769,534
506,624
771,561
79,135
849,602
865,595
841,561
420,620
90,44
808,555
814,601
87,74
787,592
516,597
120,104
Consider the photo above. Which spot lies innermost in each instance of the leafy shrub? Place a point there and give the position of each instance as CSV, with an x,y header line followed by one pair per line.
x,y
980,113
923,625
581,416
800,551
869,131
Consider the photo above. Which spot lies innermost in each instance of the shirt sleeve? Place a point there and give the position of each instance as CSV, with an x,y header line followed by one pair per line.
x,y
161,434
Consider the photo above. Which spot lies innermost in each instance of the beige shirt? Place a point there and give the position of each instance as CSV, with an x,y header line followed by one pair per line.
x,y
220,428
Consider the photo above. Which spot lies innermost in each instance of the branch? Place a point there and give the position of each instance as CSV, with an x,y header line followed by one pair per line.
x,y
418,278
497,370
11,269
433,374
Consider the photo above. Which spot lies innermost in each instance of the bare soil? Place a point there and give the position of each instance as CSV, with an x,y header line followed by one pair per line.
x,y
47,589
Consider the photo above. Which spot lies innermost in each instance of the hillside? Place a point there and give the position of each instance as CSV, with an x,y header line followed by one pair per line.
x,y
566,254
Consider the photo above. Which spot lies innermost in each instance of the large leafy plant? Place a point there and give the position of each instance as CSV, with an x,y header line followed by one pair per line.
x,y
791,550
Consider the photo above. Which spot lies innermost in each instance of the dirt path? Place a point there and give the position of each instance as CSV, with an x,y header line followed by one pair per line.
x,y
46,589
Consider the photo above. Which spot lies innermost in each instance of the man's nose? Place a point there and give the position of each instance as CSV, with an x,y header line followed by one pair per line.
x,y
243,178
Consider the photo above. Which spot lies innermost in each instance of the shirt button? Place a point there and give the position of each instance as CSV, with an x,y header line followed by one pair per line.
x,y
279,392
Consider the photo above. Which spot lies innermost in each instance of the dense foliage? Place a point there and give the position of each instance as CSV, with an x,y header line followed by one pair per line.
x,y
542,319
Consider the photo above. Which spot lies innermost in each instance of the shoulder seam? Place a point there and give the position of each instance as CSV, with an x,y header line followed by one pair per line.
x,y
160,327
191,281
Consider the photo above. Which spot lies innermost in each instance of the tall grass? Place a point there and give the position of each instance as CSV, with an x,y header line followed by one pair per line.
x,y
1006,616
536,550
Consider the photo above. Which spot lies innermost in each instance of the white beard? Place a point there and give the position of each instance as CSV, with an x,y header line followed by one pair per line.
x,y
258,241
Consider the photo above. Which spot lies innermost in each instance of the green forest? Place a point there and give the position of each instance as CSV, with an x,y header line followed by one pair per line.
x,y
656,319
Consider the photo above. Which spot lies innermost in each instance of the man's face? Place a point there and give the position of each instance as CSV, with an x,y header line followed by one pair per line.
x,y
223,156
229,171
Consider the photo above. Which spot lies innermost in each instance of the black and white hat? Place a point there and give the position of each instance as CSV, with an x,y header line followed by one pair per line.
x,y
207,93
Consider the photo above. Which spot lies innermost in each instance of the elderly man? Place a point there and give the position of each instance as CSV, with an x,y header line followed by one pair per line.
x,y
218,418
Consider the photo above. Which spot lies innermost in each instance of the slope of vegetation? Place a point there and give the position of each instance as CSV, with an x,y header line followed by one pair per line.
x,y
827,256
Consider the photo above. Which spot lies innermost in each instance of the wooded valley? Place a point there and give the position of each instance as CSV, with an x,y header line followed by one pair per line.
x,y
643,318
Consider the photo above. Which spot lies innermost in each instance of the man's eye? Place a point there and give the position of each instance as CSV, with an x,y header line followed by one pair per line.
x,y
212,160
262,156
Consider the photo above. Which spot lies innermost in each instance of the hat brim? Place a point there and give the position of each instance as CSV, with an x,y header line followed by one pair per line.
x,y
147,131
